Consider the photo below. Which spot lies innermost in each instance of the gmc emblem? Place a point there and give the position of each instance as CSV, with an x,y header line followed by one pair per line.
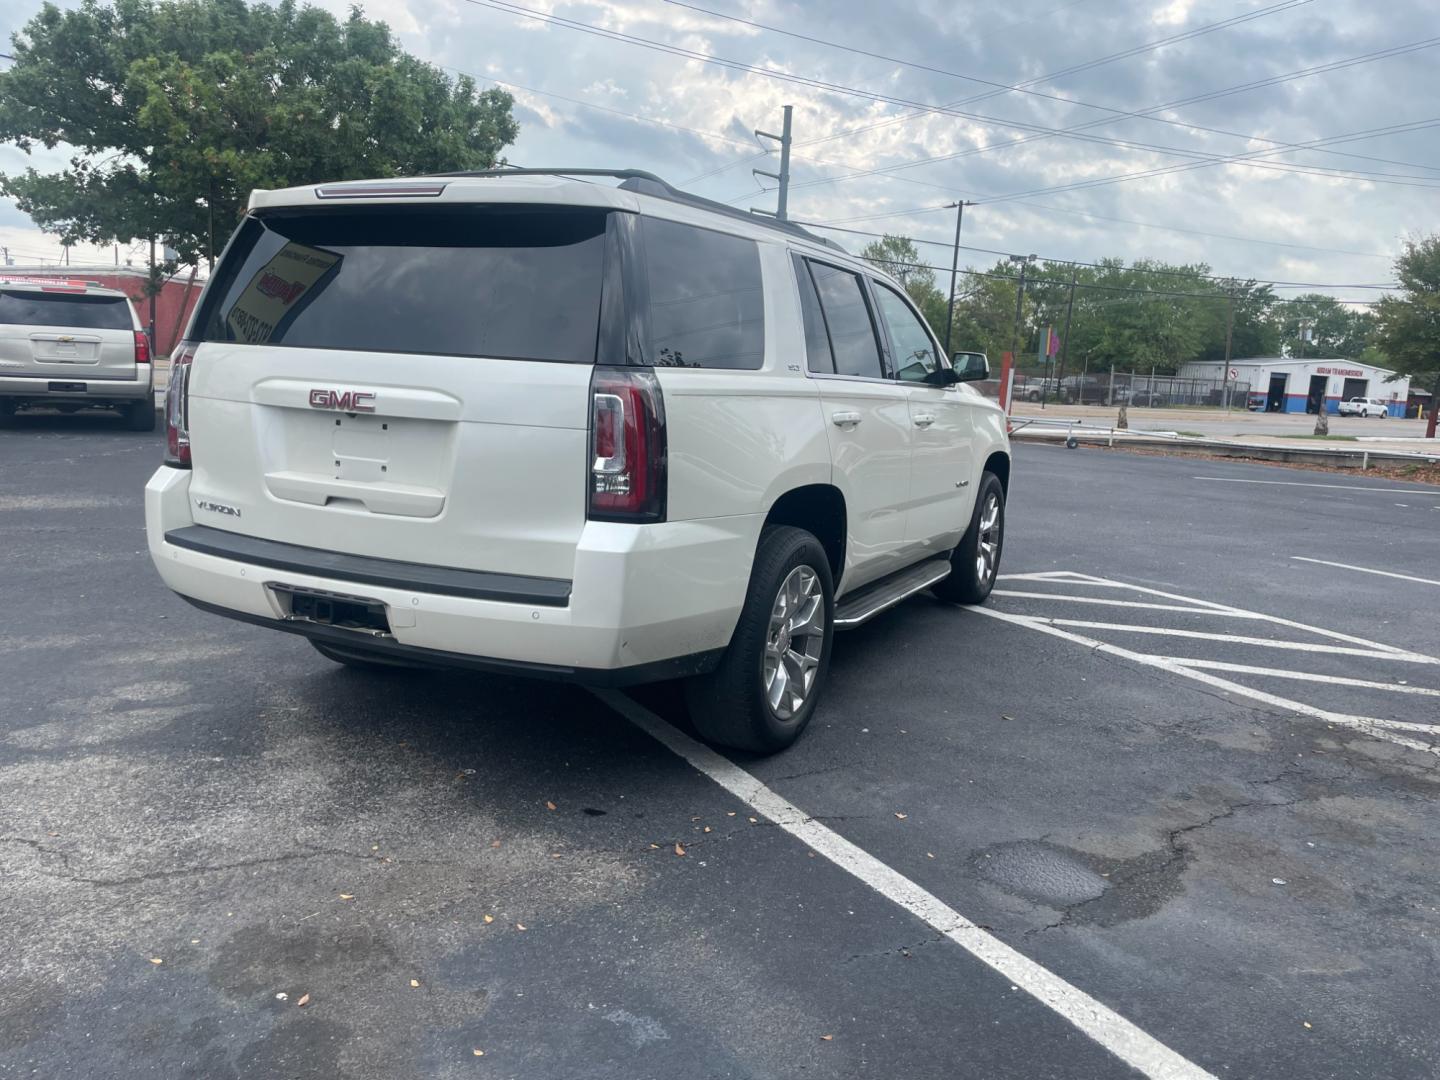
x,y
343,400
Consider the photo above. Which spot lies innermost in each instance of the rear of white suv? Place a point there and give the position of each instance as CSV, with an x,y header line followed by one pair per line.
x,y
394,424
535,425
72,345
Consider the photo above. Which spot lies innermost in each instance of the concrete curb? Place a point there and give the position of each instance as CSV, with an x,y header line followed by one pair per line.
x,y
1306,455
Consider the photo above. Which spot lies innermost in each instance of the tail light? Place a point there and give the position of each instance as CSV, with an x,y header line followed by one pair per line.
x,y
627,446
142,347
177,407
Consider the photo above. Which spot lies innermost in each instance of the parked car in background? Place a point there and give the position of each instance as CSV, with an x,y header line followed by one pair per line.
x,y
72,345
519,422
1148,398
1359,406
1035,389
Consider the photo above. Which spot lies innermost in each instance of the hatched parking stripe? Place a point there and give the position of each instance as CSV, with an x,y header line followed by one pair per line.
x,y
1380,729
1125,1040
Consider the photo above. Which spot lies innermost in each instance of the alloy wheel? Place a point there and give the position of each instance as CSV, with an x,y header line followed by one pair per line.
x,y
794,642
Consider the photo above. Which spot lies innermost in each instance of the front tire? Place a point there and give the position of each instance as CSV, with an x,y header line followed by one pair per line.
x,y
763,694
975,563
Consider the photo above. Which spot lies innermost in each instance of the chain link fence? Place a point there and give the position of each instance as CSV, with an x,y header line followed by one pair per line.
x,y
1125,388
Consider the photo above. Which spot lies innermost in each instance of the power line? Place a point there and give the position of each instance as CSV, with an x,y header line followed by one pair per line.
x,y
1148,46
1238,159
1103,266
1143,114
837,88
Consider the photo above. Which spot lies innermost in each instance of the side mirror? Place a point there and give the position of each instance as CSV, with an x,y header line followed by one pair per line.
x,y
942,377
970,367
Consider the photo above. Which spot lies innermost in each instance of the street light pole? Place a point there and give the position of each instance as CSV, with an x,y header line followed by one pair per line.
x,y
782,201
954,269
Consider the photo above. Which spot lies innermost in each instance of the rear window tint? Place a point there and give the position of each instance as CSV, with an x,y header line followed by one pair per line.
x,y
61,309
514,283
707,305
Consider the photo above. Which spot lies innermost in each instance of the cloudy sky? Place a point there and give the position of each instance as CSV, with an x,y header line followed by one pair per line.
x,y
992,93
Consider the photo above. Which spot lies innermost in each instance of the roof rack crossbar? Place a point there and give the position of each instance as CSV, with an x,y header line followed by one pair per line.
x,y
647,183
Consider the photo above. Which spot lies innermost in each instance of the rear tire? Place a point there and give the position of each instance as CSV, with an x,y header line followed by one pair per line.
x,y
975,563
764,692
361,661
140,416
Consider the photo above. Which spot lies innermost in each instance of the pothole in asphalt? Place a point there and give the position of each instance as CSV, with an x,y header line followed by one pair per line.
x,y
1087,888
1044,873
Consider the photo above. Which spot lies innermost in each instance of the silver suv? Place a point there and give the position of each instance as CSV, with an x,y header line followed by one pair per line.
x,y
73,345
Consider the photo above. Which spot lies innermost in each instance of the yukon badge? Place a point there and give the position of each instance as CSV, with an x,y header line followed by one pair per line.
x,y
217,508
350,401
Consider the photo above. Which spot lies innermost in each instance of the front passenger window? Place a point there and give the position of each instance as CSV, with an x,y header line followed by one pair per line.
x,y
915,355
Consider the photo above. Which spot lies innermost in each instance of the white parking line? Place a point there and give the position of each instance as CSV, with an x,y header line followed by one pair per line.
x,y
1334,635
1122,1038
1303,676
1297,483
1380,729
1268,643
1235,614
1367,570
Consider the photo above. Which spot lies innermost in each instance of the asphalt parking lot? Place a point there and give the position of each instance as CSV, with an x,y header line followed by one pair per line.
x,y
1174,766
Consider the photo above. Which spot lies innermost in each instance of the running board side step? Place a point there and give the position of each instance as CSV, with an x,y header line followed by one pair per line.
x,y
864,604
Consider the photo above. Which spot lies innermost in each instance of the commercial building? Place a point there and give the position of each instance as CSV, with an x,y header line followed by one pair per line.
x,y
1284,384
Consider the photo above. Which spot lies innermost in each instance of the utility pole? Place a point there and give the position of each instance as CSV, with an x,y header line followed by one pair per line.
x,y
1065,341
1229,336
954,268
154,285
1024,261
783,176
210,214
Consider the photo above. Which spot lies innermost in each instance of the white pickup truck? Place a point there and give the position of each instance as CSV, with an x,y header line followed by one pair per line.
x,y
533,423
1361,406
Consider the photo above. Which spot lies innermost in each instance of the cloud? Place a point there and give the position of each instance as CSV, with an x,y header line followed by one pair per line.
x,y
1266,217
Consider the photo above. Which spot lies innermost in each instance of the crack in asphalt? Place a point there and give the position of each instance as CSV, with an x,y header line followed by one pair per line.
x,y
186,871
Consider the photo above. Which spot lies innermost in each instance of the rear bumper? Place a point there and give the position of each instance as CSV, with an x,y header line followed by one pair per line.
x,y
645,602
37,388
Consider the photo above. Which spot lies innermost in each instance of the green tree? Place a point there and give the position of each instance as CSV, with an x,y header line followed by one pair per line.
x,y
1335,330
1407,327
177,108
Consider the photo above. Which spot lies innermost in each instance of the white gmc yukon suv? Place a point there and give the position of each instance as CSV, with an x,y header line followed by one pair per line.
x,y
527,422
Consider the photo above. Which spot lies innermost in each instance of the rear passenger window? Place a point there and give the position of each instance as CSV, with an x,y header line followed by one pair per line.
x,y
28,308
707,306
817,342
847,317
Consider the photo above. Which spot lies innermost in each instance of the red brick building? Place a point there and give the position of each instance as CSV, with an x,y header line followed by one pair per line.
x,y
173,304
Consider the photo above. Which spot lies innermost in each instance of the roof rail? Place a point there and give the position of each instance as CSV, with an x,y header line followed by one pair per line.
x,y
647,183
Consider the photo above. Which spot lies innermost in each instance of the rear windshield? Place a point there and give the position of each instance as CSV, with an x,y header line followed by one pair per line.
x,y
511,282
24,308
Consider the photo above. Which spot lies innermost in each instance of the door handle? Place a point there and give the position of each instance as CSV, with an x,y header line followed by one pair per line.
x,y
923,419
843,419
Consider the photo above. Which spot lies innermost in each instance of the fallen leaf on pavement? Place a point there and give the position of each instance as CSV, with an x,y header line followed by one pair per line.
x,y
156,960
478,1052
414,983
347,896
489,918
494,843
901,816
549,805
679,849
304,1000
827,1038
707,828
519,926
